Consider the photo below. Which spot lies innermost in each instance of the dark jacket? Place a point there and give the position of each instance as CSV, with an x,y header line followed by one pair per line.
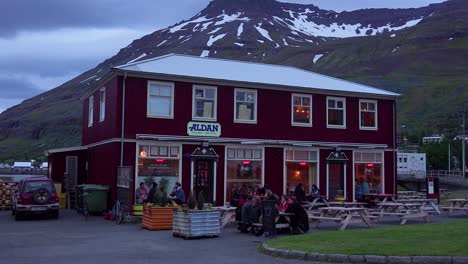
x,y
151,193
300,194
300,218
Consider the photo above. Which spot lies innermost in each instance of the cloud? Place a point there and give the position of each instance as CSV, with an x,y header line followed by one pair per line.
x,y
16,88
32,15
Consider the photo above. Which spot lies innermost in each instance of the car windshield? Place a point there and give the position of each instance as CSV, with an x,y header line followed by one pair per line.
x,y
35,185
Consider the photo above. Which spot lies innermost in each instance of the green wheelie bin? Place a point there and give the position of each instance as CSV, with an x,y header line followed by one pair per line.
x,y
96,197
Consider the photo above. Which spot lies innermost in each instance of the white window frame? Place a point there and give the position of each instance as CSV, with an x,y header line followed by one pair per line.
x,y
337,99
90,111
254,121
231,146
375,113
215,102
285,160
171,86
102,104
367,161
292,110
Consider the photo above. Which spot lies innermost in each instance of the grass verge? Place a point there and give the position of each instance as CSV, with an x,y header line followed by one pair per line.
x,y
439,239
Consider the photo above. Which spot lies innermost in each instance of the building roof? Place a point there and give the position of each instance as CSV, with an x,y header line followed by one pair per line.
x,y
247,72
22,164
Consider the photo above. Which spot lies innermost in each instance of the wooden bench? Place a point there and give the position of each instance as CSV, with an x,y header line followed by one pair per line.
x,y
326,218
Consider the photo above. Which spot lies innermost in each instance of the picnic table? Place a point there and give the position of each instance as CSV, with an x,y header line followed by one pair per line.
x,y
381,197
457,204
344,215
407,193
424,203
404,211
348,204
318,200
228,213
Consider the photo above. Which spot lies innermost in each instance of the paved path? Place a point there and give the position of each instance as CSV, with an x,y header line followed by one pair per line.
x,y
71,240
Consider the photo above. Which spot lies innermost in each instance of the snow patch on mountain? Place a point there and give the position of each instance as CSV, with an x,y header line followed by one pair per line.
x,y
182,25
215,30
212,39
137,58
240,29
164,41
230,18
205,53
239,44
263,32
317,57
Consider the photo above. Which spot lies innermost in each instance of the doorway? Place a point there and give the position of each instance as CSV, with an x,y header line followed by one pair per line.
x,y
336,181
204,178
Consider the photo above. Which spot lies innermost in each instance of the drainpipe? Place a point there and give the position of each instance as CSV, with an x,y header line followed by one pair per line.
x,y
123,120
394,149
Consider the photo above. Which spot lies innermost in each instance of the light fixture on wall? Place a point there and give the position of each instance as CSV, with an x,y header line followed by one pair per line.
x,y
160,160
303,163
143,153
246,162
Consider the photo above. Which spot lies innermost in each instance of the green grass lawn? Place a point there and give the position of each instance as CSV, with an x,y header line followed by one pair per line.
x,y
441,239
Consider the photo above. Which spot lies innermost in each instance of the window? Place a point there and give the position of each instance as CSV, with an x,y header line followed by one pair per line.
x,y
301,167
368,114
204,102
102,104
160,100
90,111
336,112
157,162
244,171
301,110
368,171
245,108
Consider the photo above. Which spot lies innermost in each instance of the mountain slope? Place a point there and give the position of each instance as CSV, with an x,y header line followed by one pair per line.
x,y
417,52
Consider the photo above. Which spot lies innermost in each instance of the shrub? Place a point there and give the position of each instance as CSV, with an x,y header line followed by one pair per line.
x,y
201,201
191,202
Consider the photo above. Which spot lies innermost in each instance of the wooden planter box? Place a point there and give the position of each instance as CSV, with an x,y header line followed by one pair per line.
x,y
157,218
189,224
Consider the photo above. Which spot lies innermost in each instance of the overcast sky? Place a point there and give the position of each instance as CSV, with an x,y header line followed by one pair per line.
x,y
45,43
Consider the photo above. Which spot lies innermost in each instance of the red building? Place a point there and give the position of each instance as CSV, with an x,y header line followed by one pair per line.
x,y
226,126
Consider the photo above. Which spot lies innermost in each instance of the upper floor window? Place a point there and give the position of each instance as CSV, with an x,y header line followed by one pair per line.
x,y
245,107
90,111
368,114
204,102
336,112
102,104
301,110
160,100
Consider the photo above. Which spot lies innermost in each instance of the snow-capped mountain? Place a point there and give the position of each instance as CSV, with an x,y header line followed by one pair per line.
x,y
411,51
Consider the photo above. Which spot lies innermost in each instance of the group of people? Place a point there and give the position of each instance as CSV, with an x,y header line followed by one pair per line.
x,y
249,209
145,196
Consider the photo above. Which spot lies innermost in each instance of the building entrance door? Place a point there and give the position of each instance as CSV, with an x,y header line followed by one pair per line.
x,y
203,179
336,180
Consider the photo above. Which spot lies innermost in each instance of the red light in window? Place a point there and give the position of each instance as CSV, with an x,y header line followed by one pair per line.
x,y
160,160
370,165
303,163
246,162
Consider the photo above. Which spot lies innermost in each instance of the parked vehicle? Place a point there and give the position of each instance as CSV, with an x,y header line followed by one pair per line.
x,y
35,196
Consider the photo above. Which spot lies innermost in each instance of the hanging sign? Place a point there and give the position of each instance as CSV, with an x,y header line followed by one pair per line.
x,y
202,129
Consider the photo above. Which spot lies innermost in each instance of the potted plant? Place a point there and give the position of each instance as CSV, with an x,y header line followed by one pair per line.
x,y
196,219
158,214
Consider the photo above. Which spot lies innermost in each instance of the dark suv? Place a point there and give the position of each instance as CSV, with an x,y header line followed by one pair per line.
x,y
35,196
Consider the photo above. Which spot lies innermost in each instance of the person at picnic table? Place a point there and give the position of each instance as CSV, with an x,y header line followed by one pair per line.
x,y
314,193
141,193
284,203
178,194
299,219
299,193
152,191
261,190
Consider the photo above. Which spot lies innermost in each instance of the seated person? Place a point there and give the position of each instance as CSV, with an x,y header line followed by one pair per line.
x,y
284,203
300,219
255,210
141,193
152,191
178,194
299,193
244,224
261,191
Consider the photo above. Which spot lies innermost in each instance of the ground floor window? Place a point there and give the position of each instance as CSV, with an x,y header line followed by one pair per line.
x,y
301,167
158,163
368,173
244,171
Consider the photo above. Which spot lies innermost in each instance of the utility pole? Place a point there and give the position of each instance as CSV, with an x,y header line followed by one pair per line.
x,y
463,147
449,156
